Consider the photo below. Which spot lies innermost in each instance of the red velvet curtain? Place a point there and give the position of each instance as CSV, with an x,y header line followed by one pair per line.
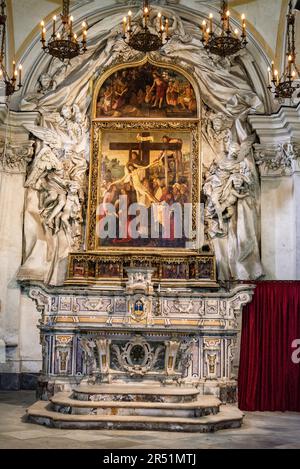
x,y
268,378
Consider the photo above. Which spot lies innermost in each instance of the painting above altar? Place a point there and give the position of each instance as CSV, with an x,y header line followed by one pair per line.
x,y
146,91
142,170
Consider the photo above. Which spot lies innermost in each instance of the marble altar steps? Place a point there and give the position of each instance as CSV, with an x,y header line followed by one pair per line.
x,y
135,407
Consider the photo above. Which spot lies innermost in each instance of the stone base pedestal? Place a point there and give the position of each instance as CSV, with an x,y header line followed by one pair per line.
x,y
135,407
183,337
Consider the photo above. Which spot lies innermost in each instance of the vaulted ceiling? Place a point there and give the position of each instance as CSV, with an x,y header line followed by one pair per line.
x,y
266,18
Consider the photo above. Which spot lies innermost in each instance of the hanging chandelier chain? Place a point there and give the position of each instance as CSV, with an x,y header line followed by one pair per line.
x,y
66,9
3,32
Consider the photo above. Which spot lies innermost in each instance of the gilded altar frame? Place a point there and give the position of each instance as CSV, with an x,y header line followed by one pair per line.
x,y
98,126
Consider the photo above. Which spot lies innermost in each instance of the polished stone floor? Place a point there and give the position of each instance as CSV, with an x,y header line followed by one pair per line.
x,y
260,430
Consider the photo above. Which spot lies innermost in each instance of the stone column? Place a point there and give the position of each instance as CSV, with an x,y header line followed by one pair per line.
x,y
278,158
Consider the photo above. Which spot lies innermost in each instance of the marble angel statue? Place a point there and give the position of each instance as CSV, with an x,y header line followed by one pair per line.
x,y
53,212
232,213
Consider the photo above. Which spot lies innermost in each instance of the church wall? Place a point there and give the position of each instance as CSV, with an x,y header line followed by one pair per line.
x,y
11,228
30,348
278,229
297,221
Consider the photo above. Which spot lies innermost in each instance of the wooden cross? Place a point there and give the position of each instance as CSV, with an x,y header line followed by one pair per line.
x,y
144,147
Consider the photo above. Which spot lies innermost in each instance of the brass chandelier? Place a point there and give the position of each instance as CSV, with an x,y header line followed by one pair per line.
x,y
13,82
223,40
284,86
64,43
138,35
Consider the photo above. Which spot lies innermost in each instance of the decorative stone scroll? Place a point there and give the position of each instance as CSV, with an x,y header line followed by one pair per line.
x,y
280,159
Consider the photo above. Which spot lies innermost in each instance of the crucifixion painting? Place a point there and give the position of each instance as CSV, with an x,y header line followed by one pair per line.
x,y
148,168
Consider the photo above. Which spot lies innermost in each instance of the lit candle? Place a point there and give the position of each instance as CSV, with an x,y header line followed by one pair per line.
x,y
58,36
290,59
43,31
207,35
228,19
84,38
20,76
146,12
269,77
211,21
272,69
293,75
167,27
276,76
75,37
84,32
54,20
160,20
124,25
71,25
129,19
14,68
243,17
203,29
236,32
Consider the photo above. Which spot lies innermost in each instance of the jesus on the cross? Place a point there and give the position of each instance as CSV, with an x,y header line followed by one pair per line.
x,y
133,175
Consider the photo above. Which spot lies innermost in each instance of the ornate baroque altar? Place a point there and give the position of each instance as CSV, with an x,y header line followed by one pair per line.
x,y
128,306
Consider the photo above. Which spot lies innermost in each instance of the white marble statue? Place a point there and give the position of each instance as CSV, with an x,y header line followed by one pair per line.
x,y
232,213
54,198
